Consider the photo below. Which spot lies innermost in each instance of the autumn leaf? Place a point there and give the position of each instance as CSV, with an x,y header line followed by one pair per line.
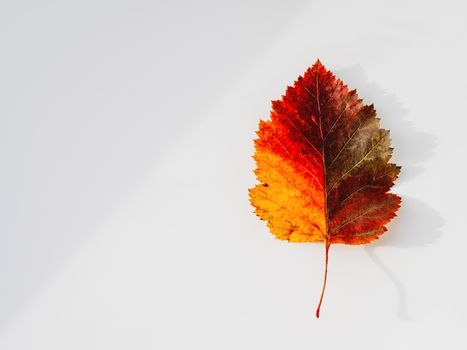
x,y
323,166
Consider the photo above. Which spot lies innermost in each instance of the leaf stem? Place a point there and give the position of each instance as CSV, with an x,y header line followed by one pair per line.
x,y
325,278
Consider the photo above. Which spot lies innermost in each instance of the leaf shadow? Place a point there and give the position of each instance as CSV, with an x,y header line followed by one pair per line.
x,y
416,224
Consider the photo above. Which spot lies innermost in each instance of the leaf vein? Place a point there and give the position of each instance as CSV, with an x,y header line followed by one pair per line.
x,y
356,164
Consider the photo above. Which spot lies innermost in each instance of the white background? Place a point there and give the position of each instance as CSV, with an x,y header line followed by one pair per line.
x,y
126,141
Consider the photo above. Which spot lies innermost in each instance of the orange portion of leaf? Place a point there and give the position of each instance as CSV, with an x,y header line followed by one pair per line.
x,y
323,166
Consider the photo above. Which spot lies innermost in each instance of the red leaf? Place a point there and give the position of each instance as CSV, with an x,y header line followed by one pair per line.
x,y
323,166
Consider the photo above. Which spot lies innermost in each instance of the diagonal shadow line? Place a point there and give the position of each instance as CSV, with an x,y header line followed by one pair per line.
x,y
84,163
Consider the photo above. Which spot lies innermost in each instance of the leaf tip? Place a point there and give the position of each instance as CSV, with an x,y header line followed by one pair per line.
x,y
317,64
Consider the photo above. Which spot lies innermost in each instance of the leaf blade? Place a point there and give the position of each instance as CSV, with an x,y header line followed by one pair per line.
x,y
332,161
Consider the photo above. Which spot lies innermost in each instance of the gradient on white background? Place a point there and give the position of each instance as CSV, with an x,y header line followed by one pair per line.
x,y
126,134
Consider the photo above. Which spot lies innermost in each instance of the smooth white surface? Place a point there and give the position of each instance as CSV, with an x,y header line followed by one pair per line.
x,y
126,135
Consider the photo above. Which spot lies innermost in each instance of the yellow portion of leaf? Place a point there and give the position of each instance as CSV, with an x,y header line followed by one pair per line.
x,y
292,205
